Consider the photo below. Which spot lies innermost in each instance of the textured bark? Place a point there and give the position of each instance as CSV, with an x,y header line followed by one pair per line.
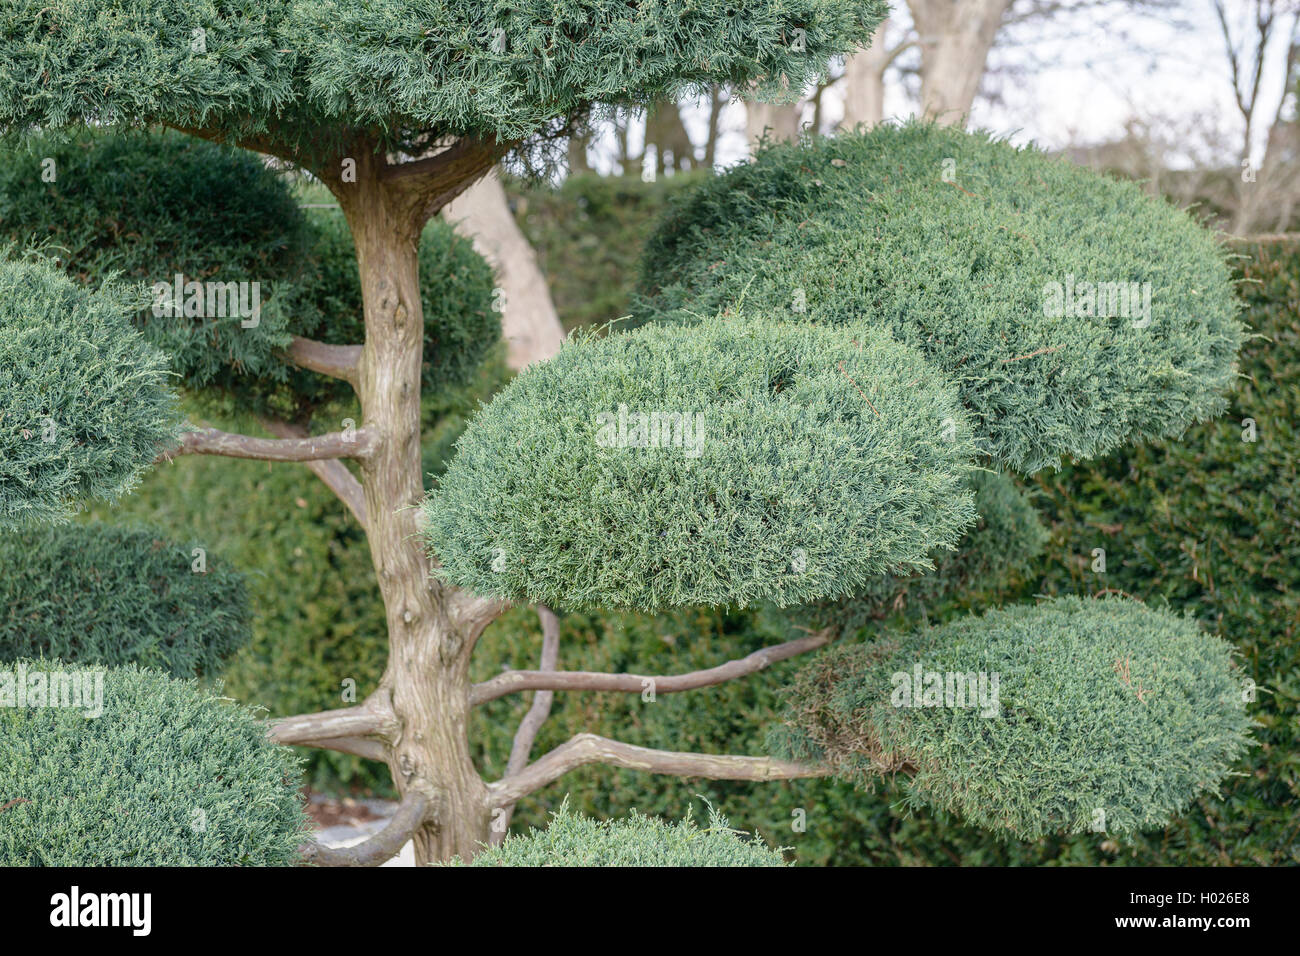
x,y
529,322
427,675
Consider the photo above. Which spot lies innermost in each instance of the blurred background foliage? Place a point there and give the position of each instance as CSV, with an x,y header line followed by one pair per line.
x,y
1207,523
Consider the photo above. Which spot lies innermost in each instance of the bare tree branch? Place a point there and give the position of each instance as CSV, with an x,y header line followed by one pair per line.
x,y
336,361
512,681
357,746
590,748
374,717
526,735
212,441
380,848
331,471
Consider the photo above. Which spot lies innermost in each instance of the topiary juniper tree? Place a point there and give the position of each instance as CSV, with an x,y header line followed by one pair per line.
x,y
865,331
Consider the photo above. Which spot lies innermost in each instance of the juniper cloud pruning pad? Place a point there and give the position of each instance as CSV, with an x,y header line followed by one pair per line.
x,y
745,461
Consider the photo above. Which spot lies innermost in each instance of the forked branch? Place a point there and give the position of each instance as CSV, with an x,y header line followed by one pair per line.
x,y
331,471
510,682
589,748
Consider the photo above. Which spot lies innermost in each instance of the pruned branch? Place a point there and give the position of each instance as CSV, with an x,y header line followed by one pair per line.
x,y
357,746
213,441
526,735
373,717
513,681
336,361
331,471
589,748
380,848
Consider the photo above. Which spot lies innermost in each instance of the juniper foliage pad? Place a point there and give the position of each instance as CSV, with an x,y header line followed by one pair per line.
x,y
151,204
866,226
95,594
303,74
1105,704
572,839
85,404
826,456
167,776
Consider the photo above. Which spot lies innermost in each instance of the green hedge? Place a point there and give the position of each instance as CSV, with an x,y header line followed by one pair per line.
x,y
96,594
154,772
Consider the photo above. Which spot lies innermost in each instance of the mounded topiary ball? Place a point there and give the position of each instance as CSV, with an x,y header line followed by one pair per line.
x,y
166,775
97,594
85,402
977,253
786,463
1108,714
571,839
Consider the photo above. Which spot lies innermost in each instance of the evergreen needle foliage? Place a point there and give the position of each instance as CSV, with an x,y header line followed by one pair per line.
x,y
571,839
951,240
168,775
1104,705
819,458
306,73
85,405
95,594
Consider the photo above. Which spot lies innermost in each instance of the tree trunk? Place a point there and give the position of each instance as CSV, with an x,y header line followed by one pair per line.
x,y
864,82
529,323
955,37
781,121
427,674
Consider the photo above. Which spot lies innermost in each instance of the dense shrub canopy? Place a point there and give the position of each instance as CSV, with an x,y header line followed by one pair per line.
x,y
953,241
152,205
305,73
808,460
574,840
85,404
95,594
167,775
1103,705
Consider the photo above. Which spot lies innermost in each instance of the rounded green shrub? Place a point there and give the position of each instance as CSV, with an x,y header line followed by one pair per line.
x,y
740,462
96,594
153,204
574,840
162,774
85,405
1090,713
980,255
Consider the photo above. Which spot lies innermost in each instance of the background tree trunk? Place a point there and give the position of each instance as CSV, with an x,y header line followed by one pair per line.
x,y
529,322
955,37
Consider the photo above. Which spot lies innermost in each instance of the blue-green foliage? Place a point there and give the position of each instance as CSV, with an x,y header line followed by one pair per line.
x,y
153,204
85,404
951,240
571,839
167,775
95,594
813,459
1102,705
304,74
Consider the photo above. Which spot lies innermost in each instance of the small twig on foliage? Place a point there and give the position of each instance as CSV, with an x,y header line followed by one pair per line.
x,y
1043,351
